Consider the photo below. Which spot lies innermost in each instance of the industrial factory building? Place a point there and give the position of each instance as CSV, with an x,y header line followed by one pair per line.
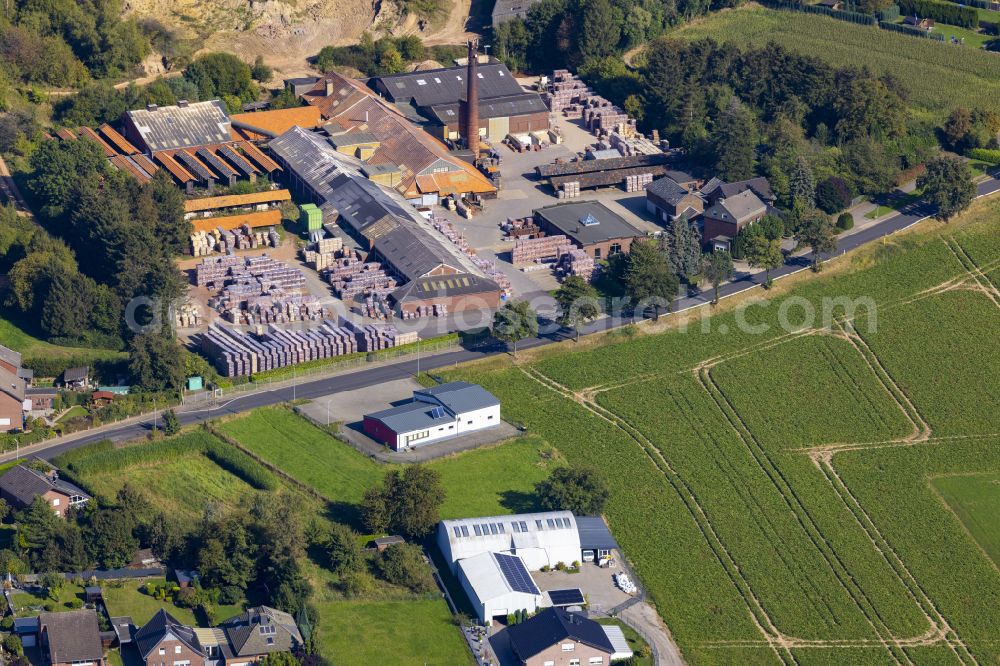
x,y
440,98
432,271
590,225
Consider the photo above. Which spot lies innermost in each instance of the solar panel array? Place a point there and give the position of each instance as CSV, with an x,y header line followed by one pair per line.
x,y
515,573
569,597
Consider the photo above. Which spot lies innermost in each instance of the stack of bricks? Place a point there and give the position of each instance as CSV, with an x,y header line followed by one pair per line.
x,y
375,337
449,232
539,249
576,262
369,278
204,243
235,353
570,190
278,309
635,145
439,310
521,227
489,268
323,253
566,92
188,315
638,182
375,305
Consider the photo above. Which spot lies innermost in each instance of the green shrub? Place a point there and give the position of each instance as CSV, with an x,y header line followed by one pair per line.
x,y
992,156
845,221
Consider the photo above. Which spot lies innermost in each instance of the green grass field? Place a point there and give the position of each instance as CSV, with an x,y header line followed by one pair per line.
x,y
15,336
391,632
782,493
949,76
128,599
975,499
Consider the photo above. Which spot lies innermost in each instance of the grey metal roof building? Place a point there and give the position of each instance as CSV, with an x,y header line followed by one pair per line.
x,y
412,416
458,397
186,125
511,105
505,10
587,222
446,85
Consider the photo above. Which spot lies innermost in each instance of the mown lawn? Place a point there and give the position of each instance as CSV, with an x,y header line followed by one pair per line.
x,y
28,604
949,76
391,632
130,599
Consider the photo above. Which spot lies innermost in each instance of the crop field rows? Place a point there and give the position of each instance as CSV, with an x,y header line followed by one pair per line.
x,y
772,461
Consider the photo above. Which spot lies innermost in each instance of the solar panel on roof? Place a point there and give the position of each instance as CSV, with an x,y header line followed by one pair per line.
x,y
567,597
515,573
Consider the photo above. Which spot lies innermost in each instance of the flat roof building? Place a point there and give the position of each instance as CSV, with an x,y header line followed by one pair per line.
x,y
590,225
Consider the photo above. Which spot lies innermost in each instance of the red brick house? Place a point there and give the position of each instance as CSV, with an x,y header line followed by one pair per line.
x,y
21,485
12,396
729,216
163,641
555,637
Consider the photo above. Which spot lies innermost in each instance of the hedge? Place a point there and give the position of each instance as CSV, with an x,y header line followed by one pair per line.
x,y
992,156
890,14
851,17
945,12
241,465
912,31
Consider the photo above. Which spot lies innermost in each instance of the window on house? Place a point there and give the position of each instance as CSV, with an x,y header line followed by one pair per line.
x,y
55,502
568,647
574,662
163,650
615,248
594,661
177,649
597,253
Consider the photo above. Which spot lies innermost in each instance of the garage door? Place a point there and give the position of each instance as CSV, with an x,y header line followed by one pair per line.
x,y
28,640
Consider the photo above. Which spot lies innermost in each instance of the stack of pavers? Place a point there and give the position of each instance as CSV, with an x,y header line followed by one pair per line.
x,y
367,278
522,227
638,182
537,250
566,92
323,253
576,262
235,353
375,337
569,190
204,243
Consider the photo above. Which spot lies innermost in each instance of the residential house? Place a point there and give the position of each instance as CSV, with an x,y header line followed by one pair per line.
x,y
12,400
260,631
555,637
730,215
164,641
10,360
76,378
22,484
667,200
102,398
71,638
42,398
436,413
716,189
925,24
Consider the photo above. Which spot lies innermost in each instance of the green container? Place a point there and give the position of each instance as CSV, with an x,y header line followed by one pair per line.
x,y
310,218
195,384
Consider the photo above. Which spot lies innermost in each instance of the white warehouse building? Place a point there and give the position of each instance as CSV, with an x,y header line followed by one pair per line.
x,y
539,539
498,584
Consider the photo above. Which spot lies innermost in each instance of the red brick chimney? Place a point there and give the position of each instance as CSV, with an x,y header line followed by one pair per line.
x,y
470,130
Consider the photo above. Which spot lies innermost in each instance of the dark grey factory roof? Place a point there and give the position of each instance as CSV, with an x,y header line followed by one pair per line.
x,y
159,627
171,127
248,633
432,286
507,8
497,107
594,533
412,252
448,85
24,484
667,189
553,626
573,220
412,416
460,397
72,636
737,208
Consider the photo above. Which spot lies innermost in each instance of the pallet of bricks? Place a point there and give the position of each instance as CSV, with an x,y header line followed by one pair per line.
x,y
636,145
369,278
271,273
547,248
570,190
638,182
322,253
576,262
449,232
375,337
522,227
277,309
566,93
490,270
437,310
376,305
235,353
204,243
188,315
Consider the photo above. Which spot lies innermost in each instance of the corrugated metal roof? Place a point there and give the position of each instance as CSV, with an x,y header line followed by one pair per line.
x,y
172,127
231,200
280,121
175,169
117,139
412,416
255,154
594,533
264,218
498,107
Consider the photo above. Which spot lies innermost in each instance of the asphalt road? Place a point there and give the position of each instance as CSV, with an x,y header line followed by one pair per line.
x,y
907,217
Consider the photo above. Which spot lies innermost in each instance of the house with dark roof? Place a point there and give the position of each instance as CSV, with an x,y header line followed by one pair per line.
x,y
434,414
508,10
76,378
12,400
438,94
590,225
164,640
728,216
667,200
261,631
555,636
716,189
20,485
71,638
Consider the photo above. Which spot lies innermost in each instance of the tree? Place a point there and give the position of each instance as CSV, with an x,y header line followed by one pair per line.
x,y
845,221
219,74
735,142
514,322
53,584
171,424
407,503
718,267
648,277
800,183
833,194
578,303
342,550
948,184
156,362
56,169
683,245
403,564
600,30
260,71
278,659
762,252
109,540
578,489
818,232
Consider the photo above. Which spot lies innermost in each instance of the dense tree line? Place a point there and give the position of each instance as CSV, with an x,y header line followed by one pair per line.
x,y
67,42
386,55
